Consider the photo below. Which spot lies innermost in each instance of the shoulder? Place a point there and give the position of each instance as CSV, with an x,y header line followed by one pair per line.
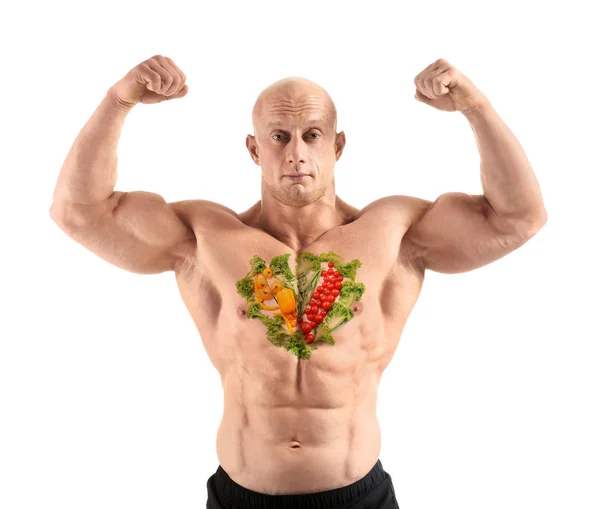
x,y
403,209
403,212
202,217
199,215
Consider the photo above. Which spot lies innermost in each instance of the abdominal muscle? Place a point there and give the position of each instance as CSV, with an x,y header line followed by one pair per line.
x,y
278,449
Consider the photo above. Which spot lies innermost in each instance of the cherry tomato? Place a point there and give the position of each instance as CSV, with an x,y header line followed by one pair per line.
x,y
306,328
327,292
299,320
323,272
310,317
335,292
319,289
312,302
310,338
330,271
326,305
330,298
314,309
319,319
323,297
330,264
336,274
313,324
338,285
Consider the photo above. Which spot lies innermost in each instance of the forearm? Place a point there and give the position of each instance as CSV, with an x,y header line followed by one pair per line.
x,y
89,173
508,181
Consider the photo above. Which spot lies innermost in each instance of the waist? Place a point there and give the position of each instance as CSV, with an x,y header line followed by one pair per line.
x,y
236,495
293,450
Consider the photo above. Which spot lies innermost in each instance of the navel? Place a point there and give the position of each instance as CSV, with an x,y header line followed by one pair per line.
x,y
357,307
242,311
295,445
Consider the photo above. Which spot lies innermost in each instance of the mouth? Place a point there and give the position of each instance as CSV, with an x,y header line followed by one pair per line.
x,y
298,176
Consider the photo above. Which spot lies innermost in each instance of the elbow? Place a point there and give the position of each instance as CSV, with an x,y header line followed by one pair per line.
x,y
67,216
535,222
541,218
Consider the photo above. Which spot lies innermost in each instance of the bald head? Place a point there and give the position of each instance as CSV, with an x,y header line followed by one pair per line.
x,y
289,92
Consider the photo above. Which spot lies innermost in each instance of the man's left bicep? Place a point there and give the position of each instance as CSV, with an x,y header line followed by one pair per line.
x,y
459,232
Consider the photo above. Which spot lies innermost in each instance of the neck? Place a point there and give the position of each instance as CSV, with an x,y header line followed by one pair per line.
x,y
298,225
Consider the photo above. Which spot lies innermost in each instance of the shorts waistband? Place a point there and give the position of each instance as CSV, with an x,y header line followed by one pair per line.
x,y
240,496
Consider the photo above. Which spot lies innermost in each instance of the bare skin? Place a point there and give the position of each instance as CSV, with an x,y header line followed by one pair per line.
x,y
293,425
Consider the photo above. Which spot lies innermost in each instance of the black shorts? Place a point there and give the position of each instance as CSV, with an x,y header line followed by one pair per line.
x,y
373,491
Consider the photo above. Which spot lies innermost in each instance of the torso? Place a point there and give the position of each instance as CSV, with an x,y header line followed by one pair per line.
x,y
295,425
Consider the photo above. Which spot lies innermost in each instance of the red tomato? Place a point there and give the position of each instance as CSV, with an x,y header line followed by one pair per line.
x,y
323,298
330,264
319,318
340,278
306,328
314,309
330,271
338,285
312,302
330,298
326,305
335,292
313,324
310,338
327,292
319,289
323,272
310,317
299,321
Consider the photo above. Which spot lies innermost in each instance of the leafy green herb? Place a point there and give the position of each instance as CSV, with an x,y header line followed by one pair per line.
x,y
257,265
349,270
245,287
350,292
280,265
337,315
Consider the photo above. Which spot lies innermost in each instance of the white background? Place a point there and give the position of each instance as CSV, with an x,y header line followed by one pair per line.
x,y
107,397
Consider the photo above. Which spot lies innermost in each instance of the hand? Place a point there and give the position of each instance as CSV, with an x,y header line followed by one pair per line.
x,y
154,80
444,87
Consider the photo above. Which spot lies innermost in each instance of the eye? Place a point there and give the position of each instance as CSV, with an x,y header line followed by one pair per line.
x,y
317,135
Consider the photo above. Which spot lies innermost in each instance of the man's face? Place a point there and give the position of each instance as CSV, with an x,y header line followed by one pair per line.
x,y
295,135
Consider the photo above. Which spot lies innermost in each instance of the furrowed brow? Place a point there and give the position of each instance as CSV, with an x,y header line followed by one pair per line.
x,y
313,122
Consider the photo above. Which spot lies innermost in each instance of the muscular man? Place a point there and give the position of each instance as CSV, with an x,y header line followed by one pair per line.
x,y
300,300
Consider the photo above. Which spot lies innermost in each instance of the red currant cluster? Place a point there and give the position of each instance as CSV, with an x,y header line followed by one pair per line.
x,y
321,301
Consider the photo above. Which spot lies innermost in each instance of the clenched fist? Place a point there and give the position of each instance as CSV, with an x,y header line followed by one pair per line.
x,y
444,87
154,80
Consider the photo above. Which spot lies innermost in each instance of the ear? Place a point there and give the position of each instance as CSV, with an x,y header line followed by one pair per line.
x,y
340,143
252,148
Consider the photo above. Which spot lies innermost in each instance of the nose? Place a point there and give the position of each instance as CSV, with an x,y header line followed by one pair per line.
x,y
296,148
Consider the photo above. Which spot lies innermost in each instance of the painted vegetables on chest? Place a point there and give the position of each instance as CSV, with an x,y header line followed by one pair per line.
x,y
306,306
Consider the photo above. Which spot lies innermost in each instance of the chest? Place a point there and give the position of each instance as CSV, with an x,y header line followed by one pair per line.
x,y
345,295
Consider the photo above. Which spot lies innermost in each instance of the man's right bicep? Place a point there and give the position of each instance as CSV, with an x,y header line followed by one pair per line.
x,y
137,231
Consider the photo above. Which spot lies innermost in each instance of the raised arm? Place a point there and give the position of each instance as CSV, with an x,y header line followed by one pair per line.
x,y
137,231
459,232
